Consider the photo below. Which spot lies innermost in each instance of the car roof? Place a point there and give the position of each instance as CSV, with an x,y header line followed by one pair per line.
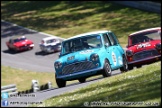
x,y
145,30
48,38
88,33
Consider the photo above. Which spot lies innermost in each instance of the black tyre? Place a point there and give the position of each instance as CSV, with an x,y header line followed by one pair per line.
x,y
9,49
16,51
125,65
60,83
107,69
36,53
139,66
130,67
82,80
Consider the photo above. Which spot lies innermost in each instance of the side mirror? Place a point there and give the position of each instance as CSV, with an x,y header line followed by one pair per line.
x,y
107,44
59,55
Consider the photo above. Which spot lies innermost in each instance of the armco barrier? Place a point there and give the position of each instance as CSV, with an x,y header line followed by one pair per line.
x,y
36,87
10,89
46,86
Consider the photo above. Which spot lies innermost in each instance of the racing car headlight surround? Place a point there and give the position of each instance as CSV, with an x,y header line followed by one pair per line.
x,y
58,65
158,46
94,57
129,53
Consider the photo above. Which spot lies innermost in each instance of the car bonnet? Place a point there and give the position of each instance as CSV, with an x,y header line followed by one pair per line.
x,y
78,56
144,46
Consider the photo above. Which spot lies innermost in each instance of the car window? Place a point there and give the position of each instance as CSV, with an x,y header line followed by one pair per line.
x,y
114,37
145,37
154,35
93,42
78,44
18,39
66,47
50,41
106,40
112,40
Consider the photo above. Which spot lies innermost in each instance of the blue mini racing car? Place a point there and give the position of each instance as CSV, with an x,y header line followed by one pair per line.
x,y
89,54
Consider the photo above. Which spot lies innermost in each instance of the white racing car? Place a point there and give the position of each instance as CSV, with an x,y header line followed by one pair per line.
x,y
50,44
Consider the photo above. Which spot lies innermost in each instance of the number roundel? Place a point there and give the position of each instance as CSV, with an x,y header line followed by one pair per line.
x,y
114,58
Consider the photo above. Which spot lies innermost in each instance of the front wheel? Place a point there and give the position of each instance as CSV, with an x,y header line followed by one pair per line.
x,y
82,80
139,66
130,67
16,51
125,65
107,69
9,49
60,83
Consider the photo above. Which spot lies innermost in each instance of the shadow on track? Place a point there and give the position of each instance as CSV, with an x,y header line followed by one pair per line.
x,y
13,52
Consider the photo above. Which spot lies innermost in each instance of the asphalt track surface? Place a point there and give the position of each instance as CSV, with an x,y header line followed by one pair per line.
x,y
29,60
33,60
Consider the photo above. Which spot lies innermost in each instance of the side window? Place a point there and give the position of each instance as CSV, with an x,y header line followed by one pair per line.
x,y
112,39
106,40
66,48
115,38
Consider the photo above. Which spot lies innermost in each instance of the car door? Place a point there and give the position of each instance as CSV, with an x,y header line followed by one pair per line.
x,y
110,51
115,52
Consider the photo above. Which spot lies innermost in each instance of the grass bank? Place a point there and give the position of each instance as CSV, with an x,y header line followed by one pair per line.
x,y
141,86
23,78
69,18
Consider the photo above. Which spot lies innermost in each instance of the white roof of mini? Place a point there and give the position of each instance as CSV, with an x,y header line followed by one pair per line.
x,y
48,38
88,33
156,28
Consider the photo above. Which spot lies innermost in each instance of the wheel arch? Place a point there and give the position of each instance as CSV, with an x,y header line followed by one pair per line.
x,y
108,62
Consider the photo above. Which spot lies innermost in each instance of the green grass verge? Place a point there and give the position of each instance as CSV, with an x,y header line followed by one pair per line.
x,y
69,18
142,86
23,78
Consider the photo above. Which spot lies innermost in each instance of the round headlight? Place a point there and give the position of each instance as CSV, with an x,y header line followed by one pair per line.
x,y
129,53
94,57
158,46
58,65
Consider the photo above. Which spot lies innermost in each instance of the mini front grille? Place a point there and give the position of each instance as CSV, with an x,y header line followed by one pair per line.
x,y
76,67
144,54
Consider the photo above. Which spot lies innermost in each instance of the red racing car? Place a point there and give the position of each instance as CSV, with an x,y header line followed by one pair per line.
x,y
19,44
144,47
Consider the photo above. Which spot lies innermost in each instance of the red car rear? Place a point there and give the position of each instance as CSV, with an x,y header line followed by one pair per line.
x,y
19,44
144,47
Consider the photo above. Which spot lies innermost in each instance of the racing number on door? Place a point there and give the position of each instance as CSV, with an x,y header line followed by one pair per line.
x,y
114,58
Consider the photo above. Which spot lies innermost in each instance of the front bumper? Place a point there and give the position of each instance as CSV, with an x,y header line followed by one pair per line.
x,y
50,50
146,60
25,47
